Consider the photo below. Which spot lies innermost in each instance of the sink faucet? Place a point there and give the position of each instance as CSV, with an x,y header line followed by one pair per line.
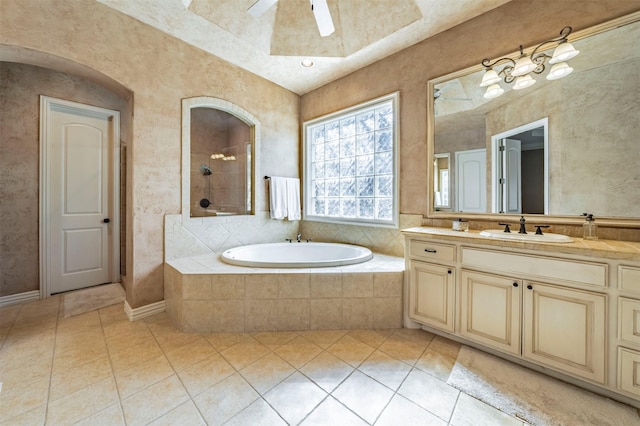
x,y
522,230
299,237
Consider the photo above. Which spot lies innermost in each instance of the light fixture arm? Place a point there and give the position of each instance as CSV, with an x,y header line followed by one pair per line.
x,y
564,33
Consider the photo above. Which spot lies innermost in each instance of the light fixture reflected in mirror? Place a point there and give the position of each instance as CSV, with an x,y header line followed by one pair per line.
x,y
519,71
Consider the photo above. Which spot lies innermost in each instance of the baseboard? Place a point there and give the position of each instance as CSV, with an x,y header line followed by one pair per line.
x,y
12,299
135,314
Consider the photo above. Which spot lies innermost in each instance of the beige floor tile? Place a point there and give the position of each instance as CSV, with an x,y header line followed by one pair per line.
x,y
226,399
258,413
298,351
35,416
445,347
364,396
350,350
244,353
323,338
430,393
267,372
16,370
385,369
136,354
401,411
436,364
23,397
191,353
185,414
78,355
143,375
29,342
373,338
403,349
274,340
415,334
331,412
111,416
222,341
170,338
73,379
327,371
121,341
154,401
83,403
70,340
206,373
471,412
294,398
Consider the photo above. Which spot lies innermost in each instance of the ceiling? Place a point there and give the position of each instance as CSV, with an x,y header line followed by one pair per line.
x,y
274,44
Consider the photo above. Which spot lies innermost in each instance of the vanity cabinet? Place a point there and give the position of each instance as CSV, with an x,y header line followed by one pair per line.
x,y
432,295
431,285
628,350
559,327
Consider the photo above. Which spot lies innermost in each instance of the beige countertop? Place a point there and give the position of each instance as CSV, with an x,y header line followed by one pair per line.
x,y
611,249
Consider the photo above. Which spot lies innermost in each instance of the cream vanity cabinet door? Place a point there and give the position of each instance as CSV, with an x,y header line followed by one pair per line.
x,y
431,298
565,329
490,307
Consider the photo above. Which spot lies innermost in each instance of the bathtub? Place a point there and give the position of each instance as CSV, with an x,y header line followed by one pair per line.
x,y
296,255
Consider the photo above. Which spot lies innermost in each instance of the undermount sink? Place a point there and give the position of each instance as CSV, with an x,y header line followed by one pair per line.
x,y
530,237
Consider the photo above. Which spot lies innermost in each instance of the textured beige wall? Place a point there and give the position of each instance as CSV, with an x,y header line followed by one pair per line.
x,y
491,35
20,89
90,39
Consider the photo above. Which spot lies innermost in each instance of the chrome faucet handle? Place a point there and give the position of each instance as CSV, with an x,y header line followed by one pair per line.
x,y
289,239
308,240
506,226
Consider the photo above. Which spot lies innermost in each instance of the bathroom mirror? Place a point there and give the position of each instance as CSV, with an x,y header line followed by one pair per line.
x,y
218,158
588,155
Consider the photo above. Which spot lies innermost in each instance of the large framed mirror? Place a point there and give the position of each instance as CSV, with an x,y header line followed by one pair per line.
x,y
556,149
219,146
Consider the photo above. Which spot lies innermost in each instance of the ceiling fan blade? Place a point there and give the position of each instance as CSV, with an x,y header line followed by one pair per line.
x,y
260,7
323,17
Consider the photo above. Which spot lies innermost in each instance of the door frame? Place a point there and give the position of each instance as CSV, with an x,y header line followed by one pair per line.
x,y
47,106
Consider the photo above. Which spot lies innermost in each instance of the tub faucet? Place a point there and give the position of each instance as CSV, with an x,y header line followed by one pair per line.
x,y
522,230
299,237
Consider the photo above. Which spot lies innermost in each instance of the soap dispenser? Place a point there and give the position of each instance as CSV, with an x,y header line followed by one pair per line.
x,y
590,228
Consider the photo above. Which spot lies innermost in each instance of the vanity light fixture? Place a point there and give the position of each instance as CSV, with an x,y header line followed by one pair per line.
x,y
519,71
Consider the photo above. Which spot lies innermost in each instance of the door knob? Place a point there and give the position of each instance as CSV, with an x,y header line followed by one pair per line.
x,y
106,220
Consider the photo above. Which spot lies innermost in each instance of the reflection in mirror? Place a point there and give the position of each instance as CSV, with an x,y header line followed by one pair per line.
x,y
441,181
519,172
219,142
592,153
220,164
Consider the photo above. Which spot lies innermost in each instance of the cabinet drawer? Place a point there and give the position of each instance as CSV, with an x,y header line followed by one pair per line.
x,y
545,268
629,371
629,320
424,250
629,278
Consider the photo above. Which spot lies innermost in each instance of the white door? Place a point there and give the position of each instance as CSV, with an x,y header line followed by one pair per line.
x,y
511,180
81,232
471,178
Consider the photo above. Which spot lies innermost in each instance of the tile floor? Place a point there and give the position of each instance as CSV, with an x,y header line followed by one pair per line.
x,y
99,368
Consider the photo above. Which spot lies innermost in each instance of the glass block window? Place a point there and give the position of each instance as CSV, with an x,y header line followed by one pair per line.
x,y
350,162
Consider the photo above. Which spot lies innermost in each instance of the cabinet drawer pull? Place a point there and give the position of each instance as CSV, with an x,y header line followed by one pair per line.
x,y
430,250
530,287
515,284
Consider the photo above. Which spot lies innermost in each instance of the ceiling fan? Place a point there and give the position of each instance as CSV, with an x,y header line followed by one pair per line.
x,y
319,8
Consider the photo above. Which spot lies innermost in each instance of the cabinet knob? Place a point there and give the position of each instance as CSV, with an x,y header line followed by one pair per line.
x,y
106,220
515,284
430,251
530,287
449,272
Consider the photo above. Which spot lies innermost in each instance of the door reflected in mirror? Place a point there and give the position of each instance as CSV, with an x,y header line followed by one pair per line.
x,y
441,181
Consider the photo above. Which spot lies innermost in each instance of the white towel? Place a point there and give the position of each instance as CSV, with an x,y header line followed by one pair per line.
x,y
278,197
293,198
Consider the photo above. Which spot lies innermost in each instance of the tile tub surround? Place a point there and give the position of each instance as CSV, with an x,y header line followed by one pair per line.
x,y
204,295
